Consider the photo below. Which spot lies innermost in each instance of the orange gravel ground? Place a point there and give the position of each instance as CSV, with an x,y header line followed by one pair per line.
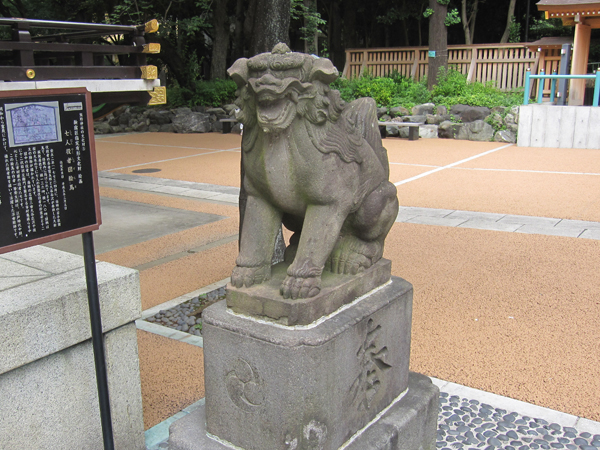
x,y
509,313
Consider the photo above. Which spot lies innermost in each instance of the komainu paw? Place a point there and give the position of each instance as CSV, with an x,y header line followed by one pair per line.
x,y
249,276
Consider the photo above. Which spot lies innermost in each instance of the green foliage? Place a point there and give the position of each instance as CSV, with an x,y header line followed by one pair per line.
x,y
452,89
514,32
544,28
207,93
427,13
452,18
380,89
444,2
312,20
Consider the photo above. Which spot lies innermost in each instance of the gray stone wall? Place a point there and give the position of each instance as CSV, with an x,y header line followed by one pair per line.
x,y
48,393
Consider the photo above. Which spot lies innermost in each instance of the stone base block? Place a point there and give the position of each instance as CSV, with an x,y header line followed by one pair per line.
x,y
265,301
48,391
270,386
409,424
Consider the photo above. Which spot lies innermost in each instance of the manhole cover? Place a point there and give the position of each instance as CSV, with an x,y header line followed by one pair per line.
x,y
146,170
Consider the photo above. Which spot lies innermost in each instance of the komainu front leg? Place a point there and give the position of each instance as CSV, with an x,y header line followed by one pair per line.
x,y
261,224
320,230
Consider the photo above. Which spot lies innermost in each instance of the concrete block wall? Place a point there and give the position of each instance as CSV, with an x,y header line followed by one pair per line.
x,y
559,126
48,392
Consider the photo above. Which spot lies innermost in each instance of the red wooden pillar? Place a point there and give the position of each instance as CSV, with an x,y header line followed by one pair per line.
x,y
581,50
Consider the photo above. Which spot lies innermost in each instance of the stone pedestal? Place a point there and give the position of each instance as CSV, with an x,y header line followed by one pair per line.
x,y
324,386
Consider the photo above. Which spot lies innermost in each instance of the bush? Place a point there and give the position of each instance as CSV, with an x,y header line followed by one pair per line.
x,y
207,93
452,89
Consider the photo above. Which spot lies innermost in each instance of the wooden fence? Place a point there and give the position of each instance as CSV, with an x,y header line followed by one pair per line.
x,y
504,64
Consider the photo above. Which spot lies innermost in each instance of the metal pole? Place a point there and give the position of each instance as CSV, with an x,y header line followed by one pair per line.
x,y
527,84
97,339
541,87
553,88
596,88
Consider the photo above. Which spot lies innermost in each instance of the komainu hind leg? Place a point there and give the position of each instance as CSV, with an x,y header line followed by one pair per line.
x,y
361,242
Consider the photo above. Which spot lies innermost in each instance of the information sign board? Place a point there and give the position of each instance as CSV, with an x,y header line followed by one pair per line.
x,y
48,175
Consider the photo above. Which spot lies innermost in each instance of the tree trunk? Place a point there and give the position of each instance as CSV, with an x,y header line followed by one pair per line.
x,y
271,25
438,42
337,52
511,13
465,23
218,65
468,20
237,47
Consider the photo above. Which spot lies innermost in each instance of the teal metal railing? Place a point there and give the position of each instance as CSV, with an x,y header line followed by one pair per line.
x,y
553,79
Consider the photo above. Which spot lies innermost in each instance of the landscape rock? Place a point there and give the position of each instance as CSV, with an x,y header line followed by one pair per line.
x,y
166,128
510,119
217,126
102,128
160,117
216,111
499,109
398,111
124,118
470,113
385,118
417,118
424,109
436,119
476,131
154,128
505,136
442,110
381,112
392,131
237,128
194,122
428,131
449,130
496,120
230,108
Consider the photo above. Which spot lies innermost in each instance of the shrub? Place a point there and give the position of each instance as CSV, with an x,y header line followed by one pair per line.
x,y
452,89
207,93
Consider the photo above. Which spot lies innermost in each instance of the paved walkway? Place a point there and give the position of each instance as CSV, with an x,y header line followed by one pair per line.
x,y
424,216
500,242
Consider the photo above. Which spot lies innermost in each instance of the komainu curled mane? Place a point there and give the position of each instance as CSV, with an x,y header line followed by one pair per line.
x,y
313,163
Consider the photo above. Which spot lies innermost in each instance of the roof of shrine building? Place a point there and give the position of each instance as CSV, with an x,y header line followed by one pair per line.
x,y
572,11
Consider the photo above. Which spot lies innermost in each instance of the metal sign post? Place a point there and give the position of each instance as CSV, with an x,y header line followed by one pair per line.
x,y
97,339
49,191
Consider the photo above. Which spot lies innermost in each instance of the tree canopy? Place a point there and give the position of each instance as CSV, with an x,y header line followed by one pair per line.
x,y
201,38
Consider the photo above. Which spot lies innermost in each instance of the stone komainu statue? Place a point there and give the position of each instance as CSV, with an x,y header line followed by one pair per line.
x,y
315,164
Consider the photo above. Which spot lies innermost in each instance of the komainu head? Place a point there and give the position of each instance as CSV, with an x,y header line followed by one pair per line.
x,y
274,88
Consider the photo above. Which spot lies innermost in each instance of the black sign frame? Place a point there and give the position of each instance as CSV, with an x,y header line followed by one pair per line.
x,y
85,213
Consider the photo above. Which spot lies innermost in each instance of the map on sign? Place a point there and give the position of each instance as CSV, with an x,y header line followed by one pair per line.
x,y
33,123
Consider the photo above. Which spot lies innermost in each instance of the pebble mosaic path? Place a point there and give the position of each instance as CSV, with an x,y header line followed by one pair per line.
x,y
466,424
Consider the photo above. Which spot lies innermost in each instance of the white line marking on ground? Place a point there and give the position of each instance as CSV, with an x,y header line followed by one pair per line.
x,y
165,160
170,146
552,172
451,165
416,165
